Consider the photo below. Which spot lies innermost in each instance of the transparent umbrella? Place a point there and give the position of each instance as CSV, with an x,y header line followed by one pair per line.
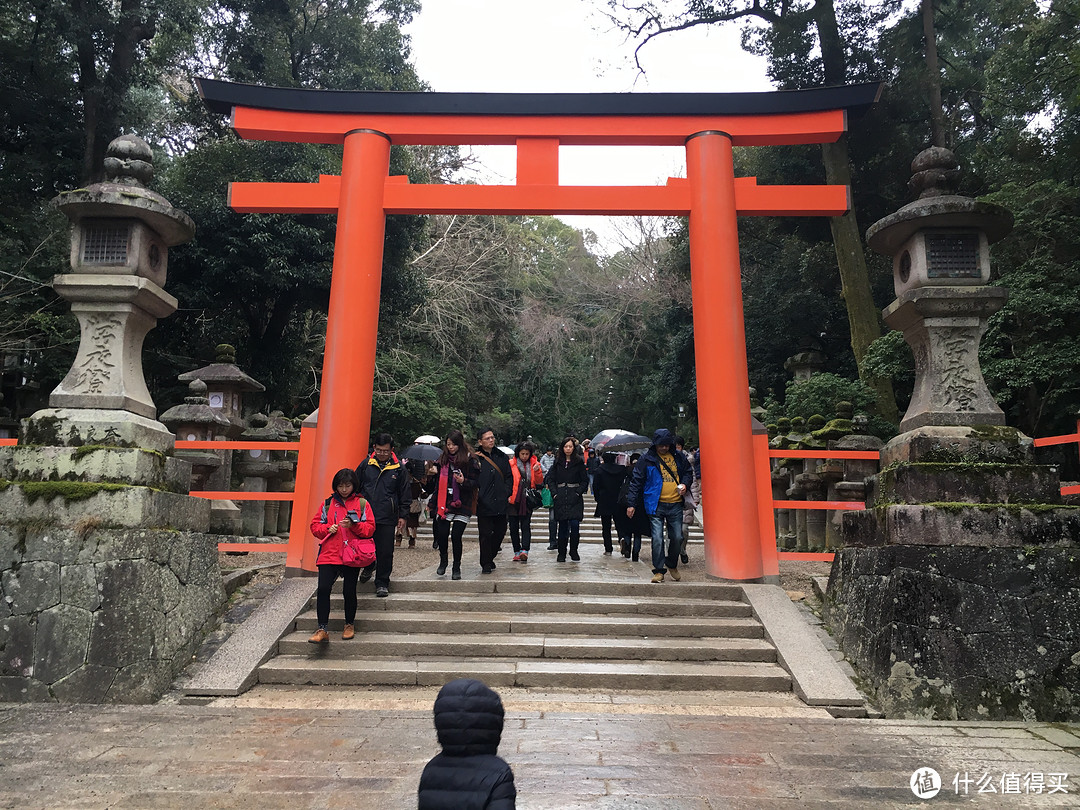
x,y
604,436
427,438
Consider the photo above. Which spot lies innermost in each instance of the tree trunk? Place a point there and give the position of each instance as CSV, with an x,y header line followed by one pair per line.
x,y
855,279
847,239
937,116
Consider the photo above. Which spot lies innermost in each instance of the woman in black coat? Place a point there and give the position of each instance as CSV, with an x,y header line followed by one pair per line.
x,y
632,529
452,503
607,481
568,481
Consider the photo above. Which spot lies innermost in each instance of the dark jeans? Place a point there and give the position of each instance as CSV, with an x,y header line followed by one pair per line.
x,y
568,535
605,530
384,552
328,575
492,530
671,514
553,528
521,531
449,532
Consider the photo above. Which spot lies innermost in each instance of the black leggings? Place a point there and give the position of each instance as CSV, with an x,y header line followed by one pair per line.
x,y
328,575
451,530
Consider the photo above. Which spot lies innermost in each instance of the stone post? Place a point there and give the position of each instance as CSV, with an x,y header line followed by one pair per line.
x,y
781,480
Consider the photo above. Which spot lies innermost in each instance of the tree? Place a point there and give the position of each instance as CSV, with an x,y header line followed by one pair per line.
x,y
807,43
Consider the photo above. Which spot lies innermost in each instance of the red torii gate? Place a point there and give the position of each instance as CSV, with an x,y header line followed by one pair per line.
x,y
740,542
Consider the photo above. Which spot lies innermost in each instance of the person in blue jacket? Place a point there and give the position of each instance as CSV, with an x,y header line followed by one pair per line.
x,y
659,480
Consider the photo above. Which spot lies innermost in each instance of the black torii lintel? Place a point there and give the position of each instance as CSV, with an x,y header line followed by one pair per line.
x,y
222,97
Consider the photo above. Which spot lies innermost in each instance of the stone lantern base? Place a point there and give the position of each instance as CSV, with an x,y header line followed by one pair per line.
x,y
78,427
955,594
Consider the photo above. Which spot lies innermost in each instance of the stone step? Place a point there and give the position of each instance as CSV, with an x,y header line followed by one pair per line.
x,y
548,603
496,584
565,624
464,645
538,673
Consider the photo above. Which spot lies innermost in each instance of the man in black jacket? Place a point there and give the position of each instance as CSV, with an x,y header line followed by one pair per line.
x,y
385,483
492,498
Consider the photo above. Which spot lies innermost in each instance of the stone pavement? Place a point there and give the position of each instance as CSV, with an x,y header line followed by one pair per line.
x,y
295,748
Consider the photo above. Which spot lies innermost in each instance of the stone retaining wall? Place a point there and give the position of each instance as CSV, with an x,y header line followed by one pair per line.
x,y
962,632
93,615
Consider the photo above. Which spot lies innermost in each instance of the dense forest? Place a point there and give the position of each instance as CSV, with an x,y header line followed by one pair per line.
x,y
517,322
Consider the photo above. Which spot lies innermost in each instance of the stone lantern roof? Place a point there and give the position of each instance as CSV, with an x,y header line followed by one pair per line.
x,y
195,410
935,176
224,370
128,170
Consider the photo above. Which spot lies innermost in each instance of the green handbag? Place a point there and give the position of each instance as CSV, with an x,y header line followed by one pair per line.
x,y
546,499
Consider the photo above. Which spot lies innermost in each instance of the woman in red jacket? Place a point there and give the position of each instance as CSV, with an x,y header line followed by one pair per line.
x,y
525,468
343,517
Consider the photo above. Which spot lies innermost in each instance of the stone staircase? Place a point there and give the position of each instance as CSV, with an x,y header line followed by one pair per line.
x,y
541,632
590,531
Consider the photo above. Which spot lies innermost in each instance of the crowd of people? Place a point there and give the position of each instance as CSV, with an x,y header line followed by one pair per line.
x,y
375,507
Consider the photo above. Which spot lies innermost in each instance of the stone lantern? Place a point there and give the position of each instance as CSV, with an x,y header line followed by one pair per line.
x,y
807,361
951,593
196,421
9,428
226,386
941,266
120,238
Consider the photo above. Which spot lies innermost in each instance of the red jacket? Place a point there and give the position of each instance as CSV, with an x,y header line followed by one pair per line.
x,y
335,512
537,477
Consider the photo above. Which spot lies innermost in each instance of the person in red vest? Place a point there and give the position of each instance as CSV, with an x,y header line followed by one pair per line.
x,y
527,474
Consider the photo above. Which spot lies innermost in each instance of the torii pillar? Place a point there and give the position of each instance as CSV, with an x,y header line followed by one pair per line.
x,y
740,541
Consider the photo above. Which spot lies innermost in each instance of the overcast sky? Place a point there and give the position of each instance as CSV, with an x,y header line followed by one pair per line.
x,y
565,46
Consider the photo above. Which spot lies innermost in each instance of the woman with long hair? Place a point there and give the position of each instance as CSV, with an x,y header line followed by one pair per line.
x,y
344,518
525,468
455,484
568,482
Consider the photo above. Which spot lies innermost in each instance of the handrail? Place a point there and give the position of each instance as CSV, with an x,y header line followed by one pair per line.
x,y
1071,438
1047,441
209,445
214,495
863,455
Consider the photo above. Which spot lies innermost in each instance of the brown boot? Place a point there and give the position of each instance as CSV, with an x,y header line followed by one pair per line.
x,y
319,637
348,632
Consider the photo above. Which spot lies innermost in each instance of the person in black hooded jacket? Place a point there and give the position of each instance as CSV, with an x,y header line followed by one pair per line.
x,y
468,774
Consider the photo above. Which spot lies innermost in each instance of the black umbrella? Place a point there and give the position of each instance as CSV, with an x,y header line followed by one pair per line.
x,y
627,443
605,436
422,452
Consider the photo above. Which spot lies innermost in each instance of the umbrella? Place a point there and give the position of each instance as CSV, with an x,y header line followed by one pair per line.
x,y
508,450
422,452
605,436
627,443
427,438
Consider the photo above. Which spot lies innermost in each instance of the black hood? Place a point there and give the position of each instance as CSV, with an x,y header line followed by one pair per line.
x,y
468,718
663,436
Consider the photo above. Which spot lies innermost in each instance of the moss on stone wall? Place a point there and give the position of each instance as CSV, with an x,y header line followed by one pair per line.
x,y
68,490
